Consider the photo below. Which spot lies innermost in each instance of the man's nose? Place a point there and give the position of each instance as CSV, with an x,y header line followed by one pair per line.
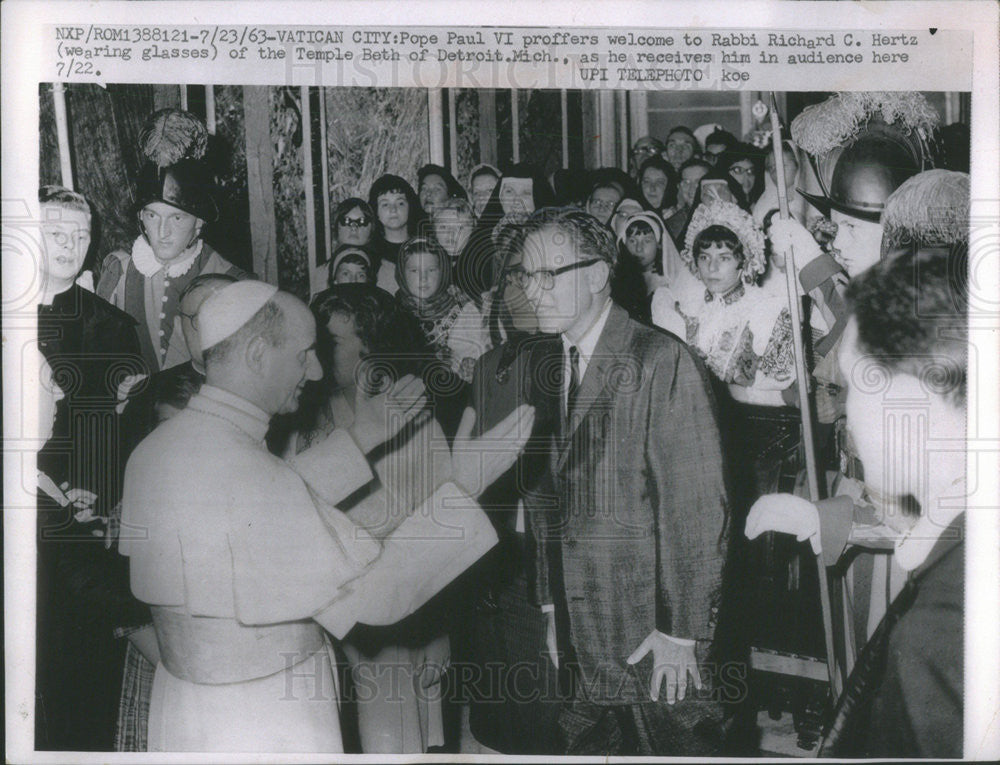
x,y
164,228
314,371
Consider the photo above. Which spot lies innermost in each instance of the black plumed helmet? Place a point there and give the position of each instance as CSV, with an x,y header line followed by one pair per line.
x,y
187,185
858,178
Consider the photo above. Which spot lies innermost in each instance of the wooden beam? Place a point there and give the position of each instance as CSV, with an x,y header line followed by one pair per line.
x,y
453,131
210,109
608,131
435,125
260,181
166,97
62,133
638,106
591,129
623,143
488,126
310,191
564,109
515,126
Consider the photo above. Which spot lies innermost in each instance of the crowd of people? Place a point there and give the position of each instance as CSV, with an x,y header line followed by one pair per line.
x,y
508,466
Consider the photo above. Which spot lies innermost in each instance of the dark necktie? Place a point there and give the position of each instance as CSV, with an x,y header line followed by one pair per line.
x,y
574,378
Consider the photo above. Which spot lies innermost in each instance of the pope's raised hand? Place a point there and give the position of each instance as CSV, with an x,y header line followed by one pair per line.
x,y
380,416
478,462
785,513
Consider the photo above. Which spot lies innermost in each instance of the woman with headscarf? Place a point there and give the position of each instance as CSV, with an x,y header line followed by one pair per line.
x,y
482,180
398,216
745,163
350,264
451,323
521,191
658,182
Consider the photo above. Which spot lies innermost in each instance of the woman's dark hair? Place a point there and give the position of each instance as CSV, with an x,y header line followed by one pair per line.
x,y
719,236
745,152
454,187
670,194
175,389
387,184
720,136
349,205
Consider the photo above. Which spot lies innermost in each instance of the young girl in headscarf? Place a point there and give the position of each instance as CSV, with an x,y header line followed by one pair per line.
x,y
451,323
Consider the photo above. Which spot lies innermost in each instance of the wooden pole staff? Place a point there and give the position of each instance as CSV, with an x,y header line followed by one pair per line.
x,y
801,375
62,134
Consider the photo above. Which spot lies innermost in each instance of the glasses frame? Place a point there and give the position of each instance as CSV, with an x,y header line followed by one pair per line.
x,y
546,277
361,222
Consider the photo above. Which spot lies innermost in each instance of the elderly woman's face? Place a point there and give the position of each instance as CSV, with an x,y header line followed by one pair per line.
x,y
482,188
433,191
516,196
422,274
602,202
354,227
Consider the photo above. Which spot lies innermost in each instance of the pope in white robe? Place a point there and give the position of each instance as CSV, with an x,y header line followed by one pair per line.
x,y
244,557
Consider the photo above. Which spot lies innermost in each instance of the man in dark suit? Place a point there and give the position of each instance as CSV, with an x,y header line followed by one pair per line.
x,y
629,563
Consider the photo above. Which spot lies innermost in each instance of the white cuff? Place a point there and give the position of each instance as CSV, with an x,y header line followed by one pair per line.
x,y
679,641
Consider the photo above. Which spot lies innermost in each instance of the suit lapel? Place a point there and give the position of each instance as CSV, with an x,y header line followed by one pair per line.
x,y
594,386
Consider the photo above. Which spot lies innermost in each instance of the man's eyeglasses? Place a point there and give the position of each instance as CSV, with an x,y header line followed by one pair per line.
x,y
354,222
740,170
545,277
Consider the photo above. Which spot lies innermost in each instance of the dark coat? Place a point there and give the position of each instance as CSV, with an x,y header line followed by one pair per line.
x,y
637,540
91,346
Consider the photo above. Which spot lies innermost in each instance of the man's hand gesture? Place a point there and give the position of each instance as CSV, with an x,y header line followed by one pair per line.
x,y
672,661
380,416
478,462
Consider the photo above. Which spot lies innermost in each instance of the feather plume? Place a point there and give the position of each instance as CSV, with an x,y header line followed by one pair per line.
x,y
932,207
170,135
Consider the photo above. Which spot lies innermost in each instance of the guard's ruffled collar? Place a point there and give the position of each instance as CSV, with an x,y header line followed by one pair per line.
x,y
147,264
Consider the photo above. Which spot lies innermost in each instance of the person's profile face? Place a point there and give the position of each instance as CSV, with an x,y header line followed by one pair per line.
x,y
433,191
393,210
423,275
718,268
790,164
516,196
712,152
347,351
858,243
482,188
170,230
66,239
291,364
354,227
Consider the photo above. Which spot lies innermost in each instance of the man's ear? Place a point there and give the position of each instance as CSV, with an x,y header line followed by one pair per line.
x,y
197,227
256,354
598,276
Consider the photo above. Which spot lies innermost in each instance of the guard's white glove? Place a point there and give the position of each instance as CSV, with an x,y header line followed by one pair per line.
x,y
789,515
790,234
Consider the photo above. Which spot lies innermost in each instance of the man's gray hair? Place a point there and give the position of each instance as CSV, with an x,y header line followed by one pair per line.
x,y
268,323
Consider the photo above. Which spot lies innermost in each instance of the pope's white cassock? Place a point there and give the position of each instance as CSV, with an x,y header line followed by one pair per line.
x,y
245,560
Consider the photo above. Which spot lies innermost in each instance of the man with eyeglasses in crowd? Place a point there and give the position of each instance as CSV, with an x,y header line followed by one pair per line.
x,y
643,149
629,558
